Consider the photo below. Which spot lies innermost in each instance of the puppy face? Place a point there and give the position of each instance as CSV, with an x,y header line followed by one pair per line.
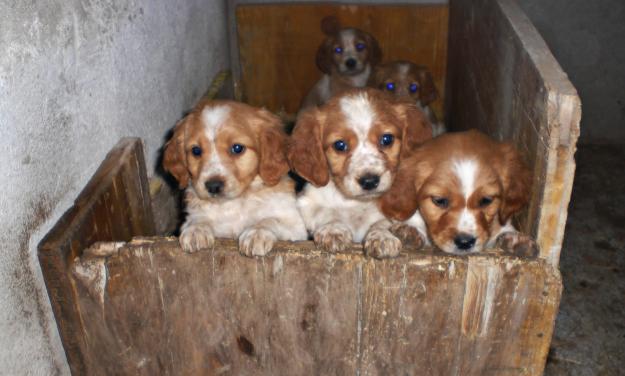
x,y
407,80
348,52
357,139
221,146
465,185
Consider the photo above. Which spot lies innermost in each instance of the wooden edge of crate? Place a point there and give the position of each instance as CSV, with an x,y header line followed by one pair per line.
x,y
494,312
114,205
508,84
563,121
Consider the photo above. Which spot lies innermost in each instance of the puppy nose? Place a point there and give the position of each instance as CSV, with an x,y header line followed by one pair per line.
x,y
369,182
464,241
351,63
214,186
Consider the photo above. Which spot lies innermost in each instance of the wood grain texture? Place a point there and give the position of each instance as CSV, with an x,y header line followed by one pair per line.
x,y
300,311
115,205
278,43
503,80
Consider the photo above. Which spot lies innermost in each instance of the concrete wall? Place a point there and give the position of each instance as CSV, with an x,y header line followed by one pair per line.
x,y
75,76
588,39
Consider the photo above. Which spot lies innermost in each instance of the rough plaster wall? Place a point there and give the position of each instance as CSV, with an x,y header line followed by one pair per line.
x,y
75,76
587,38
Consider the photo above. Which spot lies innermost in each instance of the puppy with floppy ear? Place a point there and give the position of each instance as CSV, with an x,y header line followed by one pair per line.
x,y
405,79
349,150
460,191
230,158
346,58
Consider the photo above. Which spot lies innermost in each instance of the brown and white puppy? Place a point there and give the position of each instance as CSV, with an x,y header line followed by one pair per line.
x,y
349,149
460,191
231,159
346,57
408,80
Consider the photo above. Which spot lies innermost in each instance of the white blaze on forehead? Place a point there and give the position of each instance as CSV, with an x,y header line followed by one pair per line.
x,y
403,69
348,39
465,170
359,114
213,118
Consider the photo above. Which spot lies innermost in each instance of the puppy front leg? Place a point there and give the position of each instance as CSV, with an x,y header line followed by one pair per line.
x,y
259,239
380,242
195,236
513,242
333,237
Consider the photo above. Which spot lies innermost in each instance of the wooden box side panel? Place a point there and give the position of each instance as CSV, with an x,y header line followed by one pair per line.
x,y
277,45
503,80
115,205
149,308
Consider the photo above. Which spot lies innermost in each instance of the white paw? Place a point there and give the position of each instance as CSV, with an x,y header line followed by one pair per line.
x,y
196,237
382,244
256,242
333,237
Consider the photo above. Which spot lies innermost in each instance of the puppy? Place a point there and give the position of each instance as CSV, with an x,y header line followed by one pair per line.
x,y
408,80
346,57
349,150
231,159
466,187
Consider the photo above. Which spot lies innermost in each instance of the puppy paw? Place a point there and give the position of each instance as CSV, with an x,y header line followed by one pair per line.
x,y
256,242
408,235
333,237
382,244
518,244
196,237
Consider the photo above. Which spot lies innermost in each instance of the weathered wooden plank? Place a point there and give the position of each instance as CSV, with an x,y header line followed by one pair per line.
x,y
148,308
503,79
277,45
113,206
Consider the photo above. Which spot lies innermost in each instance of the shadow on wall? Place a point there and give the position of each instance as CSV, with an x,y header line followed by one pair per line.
x,y
586,37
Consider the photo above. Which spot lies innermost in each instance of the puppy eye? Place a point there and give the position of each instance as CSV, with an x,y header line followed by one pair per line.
x,y
485,201
390,86
196,150
237,149
338,50
340,146
413,88
360,46
441,202
387,139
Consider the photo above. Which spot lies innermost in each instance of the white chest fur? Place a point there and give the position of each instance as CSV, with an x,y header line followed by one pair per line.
x,y
322,205
229,218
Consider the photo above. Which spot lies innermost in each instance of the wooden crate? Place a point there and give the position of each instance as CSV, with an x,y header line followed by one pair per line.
x,y
145,307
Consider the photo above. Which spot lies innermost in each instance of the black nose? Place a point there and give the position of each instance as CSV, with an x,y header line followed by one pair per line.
x,y
369,182
464,241
214,186
351,63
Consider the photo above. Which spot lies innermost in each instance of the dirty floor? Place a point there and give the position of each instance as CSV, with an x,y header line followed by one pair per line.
x,y
589,336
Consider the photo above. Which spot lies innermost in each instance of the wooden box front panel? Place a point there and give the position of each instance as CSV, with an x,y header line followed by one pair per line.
x,y
278,44
146,307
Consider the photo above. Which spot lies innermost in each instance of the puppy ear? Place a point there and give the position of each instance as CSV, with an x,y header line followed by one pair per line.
x,y
324,56
272,140
400,202
416,127
305,151
174,158
375,52
428,92
330,25
516,180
